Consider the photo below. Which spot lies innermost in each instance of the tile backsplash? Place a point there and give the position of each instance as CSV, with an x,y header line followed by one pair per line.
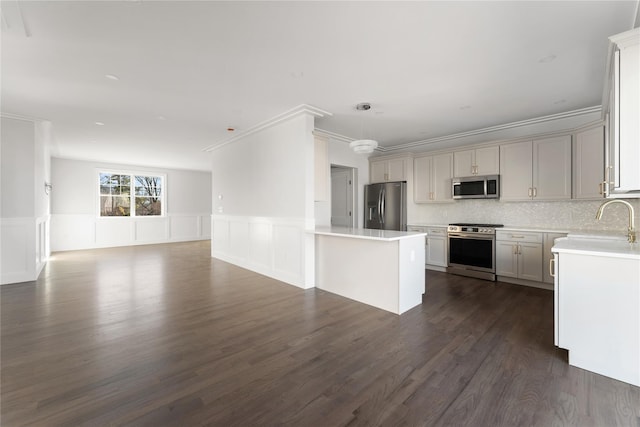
x,y
571,214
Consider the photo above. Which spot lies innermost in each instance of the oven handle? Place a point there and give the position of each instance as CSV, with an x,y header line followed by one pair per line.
x,y
471,236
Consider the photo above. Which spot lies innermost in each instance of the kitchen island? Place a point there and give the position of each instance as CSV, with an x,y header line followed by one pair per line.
x,y
381,268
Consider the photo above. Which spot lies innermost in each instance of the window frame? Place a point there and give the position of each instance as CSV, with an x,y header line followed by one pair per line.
x,y
132,196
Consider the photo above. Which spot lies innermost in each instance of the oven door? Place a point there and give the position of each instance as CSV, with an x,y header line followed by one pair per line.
x,y
472,251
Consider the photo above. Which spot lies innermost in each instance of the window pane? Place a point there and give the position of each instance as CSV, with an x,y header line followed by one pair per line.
x,y
146,206
148,186
115,184
124,190
114,206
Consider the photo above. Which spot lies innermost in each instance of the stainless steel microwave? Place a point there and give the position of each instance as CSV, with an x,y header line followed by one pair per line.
x,y
476,187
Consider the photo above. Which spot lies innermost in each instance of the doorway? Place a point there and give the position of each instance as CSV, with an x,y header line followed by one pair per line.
x,y
343,196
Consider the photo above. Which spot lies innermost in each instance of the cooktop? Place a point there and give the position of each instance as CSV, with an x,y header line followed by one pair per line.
x,y
471,224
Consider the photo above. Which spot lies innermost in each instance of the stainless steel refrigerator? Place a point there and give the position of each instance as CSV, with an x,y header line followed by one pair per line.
x,y
385,206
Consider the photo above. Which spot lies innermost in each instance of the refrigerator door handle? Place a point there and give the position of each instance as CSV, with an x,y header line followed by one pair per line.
x,y
382,197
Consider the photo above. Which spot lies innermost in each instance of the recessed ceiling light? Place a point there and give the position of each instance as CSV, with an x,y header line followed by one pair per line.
x,y
465,107
100,123
112,77
162,118
560,101
548,58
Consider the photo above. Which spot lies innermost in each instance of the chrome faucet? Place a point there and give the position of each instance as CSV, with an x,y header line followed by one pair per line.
x,y
632,229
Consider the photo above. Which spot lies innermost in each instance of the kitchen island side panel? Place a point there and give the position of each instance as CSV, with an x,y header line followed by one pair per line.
x,y
387,274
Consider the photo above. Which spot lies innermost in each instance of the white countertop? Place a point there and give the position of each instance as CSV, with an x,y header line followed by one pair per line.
x,y
365,233
615,248
534,229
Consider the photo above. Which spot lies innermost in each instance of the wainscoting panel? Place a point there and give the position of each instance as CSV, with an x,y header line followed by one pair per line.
x,y
288,250
114,232
185,226
73,232
270,246
260,247
24,248
152,230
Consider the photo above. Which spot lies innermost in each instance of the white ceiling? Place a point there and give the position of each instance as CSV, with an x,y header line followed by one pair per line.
x,y
189,70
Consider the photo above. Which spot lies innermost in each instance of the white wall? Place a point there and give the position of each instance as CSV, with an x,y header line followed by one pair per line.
x,y
24,205
341,155
263,201
76,224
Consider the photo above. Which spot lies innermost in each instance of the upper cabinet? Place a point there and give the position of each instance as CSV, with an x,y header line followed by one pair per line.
x,y
621,105
536,170
481,161
383,170
432,178
588,163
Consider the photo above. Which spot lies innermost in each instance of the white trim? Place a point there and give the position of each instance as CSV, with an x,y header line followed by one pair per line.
x,y
25,252
86,231
272,246
132,196
327,134
505,126
425,142
296,111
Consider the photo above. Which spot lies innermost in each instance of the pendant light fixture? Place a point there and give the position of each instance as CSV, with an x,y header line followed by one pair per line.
x,y
363,146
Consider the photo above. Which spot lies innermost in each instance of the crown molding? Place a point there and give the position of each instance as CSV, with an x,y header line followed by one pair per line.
x,y
294,112
528,122
336,136
332,135
20,117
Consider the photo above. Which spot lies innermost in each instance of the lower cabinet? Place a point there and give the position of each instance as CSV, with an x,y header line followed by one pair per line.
x,y
436,248
519,255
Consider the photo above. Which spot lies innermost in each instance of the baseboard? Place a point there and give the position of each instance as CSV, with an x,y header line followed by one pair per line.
x,y
530,283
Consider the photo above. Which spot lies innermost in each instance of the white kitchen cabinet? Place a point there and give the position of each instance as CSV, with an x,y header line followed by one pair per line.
x,y
547,243
437,248
383,170
588,163
536,170
432,178
322,168
621,105
481,161
597,306
519,255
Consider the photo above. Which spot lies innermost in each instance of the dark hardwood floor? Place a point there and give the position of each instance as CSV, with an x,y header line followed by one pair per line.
x,y
165,335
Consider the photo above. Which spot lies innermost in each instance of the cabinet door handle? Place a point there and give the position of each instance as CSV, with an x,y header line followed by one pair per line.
x,y
515,249
515,236
552,269
601,185
535,191
530,192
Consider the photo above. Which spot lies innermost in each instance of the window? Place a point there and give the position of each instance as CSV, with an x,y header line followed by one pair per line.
x,y
124,194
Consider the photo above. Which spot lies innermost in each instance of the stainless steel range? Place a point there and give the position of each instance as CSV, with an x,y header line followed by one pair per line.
x,y
472,250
